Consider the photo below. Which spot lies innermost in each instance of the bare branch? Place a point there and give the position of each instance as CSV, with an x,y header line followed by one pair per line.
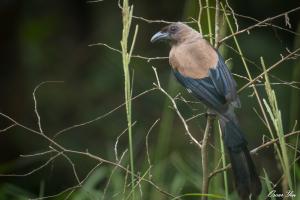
x,y
111,174
259,23
268,24
254,151
233,15
204,153
102,116
71,163
200,16
94,1
186,127
147,147
117,141
269,69
35,102
87,154
7,128
33,131
35,169
195,116
148,59
38,154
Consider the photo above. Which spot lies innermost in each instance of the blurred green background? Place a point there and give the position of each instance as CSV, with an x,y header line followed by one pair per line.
x,y
48,41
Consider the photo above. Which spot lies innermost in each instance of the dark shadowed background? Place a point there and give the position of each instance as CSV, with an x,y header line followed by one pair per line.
x,y
48,41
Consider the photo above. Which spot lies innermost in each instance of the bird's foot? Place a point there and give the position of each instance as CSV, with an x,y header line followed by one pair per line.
x,y
210,113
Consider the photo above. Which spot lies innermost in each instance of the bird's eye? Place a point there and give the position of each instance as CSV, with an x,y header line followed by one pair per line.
x,y
173,29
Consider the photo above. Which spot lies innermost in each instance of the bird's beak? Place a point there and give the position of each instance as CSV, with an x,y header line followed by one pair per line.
x,y
160,36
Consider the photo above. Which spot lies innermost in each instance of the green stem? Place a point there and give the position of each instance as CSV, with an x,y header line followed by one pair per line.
x,y
275,115
126,56
223,163
209,23
247,70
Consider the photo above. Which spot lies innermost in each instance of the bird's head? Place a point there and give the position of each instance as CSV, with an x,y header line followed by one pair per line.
x,y
173,33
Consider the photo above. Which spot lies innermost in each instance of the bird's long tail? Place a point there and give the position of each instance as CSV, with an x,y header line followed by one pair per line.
x,y
246,179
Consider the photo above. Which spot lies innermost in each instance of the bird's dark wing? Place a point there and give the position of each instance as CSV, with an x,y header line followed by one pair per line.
x,y
216,91
224,82
204,89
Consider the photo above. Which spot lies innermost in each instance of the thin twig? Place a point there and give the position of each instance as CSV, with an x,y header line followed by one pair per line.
x,y
200,16
7,128
32,130
94,1
269,69
102,116
35,102
195,116
72,165
117,141
186,127
150,21
268,24
248,73
147,147
148,59
35,169
259,23
87,154
37,154
94,157
233,16
111,174
254,151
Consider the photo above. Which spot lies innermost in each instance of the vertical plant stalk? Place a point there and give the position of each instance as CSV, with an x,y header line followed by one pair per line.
x,y
217,24
223,163
294,103
210,117
200,16
268,184
126,56
204,153
247,70
217,42
209,23
283,158
164,138
295,96
275,115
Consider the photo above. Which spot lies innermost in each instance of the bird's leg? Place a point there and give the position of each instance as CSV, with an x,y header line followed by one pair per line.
x,y
210,113
210,116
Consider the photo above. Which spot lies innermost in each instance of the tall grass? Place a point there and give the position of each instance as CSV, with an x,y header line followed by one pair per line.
x,y
272,109
225,178
209,23
126,56
275,115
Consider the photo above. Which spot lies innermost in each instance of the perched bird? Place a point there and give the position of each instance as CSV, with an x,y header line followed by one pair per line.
x,y
202,71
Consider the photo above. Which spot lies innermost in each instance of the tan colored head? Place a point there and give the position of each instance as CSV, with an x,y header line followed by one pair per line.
x,y
175,33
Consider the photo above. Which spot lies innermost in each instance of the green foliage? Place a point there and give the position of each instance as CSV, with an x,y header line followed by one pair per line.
x,y
275,115
9,191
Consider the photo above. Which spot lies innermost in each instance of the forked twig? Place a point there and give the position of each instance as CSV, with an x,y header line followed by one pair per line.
x,y
186,127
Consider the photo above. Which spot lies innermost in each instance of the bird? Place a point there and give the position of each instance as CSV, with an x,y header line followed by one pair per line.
x,y
201,69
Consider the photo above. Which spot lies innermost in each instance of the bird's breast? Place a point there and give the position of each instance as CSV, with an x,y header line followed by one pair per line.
x,y
193,60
